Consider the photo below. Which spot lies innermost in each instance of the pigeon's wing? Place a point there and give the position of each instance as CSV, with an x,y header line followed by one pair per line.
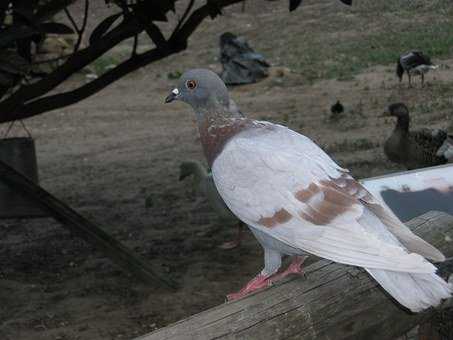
x,y
414,59
283,184
425,143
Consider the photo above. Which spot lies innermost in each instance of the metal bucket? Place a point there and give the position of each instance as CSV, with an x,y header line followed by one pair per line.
x,y
19,153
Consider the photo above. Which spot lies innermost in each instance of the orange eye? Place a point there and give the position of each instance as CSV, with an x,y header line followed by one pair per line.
x,y
191,84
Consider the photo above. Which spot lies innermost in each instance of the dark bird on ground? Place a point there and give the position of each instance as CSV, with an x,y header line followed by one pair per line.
x,y
415,149
241,64
414,63
336,110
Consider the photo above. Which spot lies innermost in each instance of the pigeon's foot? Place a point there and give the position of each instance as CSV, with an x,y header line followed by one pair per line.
x,y
294,268
262,281
258,282
236,242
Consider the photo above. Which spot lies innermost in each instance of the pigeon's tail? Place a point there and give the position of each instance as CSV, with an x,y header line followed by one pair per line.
x,y
414,291
399,69
446,149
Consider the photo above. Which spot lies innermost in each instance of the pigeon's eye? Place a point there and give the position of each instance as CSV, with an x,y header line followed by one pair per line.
x,y
191,84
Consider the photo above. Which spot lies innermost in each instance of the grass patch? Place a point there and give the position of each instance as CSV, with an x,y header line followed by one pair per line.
x,y
378,33
105,63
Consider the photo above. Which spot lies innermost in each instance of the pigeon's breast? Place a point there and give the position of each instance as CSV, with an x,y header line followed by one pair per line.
x,y
216,135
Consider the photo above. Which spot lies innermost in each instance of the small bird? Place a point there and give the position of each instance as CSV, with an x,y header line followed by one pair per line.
x,y
414,63
336,110
297,201
415,149
206,187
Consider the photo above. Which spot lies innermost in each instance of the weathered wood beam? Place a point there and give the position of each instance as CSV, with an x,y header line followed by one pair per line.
x,y
334,301
82,227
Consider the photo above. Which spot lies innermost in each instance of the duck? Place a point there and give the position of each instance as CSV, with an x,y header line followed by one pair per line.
x,y
415,149
414,63
204,185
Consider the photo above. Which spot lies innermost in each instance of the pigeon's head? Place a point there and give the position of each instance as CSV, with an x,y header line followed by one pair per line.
x,y
397,110
202,89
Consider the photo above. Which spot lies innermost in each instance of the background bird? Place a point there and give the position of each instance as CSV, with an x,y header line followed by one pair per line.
x,y
205,186
415,149
414,63
336,110
298,201
241,64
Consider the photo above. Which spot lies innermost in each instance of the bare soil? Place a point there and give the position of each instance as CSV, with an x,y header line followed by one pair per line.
x,y
106,155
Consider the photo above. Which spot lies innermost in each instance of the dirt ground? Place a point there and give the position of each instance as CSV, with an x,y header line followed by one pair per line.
x,y
106,155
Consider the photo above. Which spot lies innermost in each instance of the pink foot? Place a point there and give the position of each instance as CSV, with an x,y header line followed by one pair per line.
x,y
263,281
294,268
260,281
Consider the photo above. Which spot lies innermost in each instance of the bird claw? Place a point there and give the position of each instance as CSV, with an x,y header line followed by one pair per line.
x,y
263,281
258,282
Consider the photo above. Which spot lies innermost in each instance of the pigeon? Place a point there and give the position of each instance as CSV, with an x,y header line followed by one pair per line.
x,y
415,149
297,201
205,186
414,63
336,110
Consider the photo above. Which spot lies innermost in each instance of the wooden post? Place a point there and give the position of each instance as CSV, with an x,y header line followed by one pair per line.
x,y
334,301
80,226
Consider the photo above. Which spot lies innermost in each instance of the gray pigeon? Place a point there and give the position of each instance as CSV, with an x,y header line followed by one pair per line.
x,y
297,201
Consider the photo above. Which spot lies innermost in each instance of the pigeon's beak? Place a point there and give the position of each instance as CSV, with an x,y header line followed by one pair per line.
x,y
385,114
174,95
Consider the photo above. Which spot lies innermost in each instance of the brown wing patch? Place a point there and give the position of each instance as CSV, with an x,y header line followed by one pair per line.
x,y
336,201
305,195
279,217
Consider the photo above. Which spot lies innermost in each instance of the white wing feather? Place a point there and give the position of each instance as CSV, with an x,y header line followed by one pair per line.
x,y
258,174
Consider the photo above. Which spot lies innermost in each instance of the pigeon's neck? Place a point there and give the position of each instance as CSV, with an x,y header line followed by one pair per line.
x,y
217,130
402,123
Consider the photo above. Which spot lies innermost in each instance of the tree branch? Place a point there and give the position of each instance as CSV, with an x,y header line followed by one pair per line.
x,y
74,63
67,98
24,103
196,18
84,25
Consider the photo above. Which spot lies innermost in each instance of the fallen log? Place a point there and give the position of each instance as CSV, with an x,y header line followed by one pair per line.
x,y
82,227
333,301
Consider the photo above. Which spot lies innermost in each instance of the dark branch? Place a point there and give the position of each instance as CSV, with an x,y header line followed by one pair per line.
x,y
71,19
184,16
67,98
84,25
26,101
155,34
74,63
